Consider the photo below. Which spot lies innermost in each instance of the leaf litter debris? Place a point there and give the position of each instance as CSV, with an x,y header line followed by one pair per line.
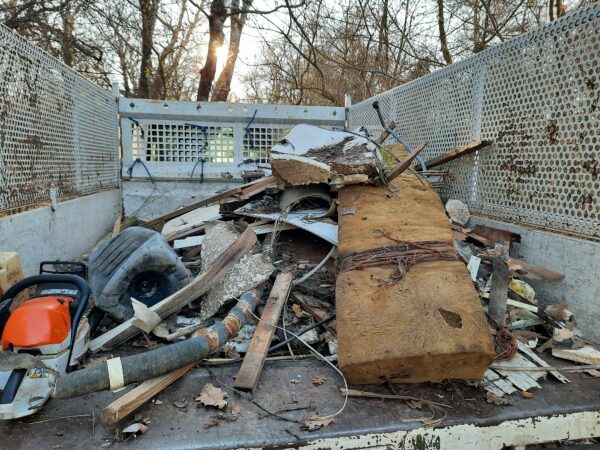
x,y
212,396
319,380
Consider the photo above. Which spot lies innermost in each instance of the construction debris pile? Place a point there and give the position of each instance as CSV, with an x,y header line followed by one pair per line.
x,y
344,253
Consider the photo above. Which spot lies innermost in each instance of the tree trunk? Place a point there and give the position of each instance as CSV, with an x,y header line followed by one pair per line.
x,y
442,30
223,86
148,9
68,21
216,21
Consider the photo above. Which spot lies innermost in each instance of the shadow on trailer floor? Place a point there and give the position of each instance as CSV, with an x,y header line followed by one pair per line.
x,y
173,427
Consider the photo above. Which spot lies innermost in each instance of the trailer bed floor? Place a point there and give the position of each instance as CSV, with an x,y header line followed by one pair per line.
x,y
172,427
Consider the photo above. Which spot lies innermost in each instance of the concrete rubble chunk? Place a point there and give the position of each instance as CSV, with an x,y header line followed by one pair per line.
x,y
250,271
310,154
457,211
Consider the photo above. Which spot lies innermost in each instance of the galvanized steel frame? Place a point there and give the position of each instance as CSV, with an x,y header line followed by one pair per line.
x,y
172,151
58,131
537,98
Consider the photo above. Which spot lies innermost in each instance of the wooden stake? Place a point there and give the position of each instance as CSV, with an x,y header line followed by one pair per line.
x,y
393,172
456,153
135,398
247,377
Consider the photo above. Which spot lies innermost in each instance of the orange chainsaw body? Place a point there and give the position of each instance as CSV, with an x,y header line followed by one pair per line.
x,y
38,322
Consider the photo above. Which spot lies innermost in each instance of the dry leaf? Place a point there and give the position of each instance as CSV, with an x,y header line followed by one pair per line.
x,y
182,404
235,408
526,394
316,423
319,380
212,396
297,310
135,428
211,423
493,398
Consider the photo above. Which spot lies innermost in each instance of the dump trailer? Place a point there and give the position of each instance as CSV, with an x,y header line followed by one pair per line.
x,y
491,162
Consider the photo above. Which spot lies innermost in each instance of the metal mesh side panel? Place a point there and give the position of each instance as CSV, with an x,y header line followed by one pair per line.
x,y
57,129
537,98
259,140
171,141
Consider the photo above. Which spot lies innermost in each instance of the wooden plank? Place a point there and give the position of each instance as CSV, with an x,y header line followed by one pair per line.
x,y
207,201
496,236
457,153
499,287
135,398
247,377
395,171
198,287
189,220
532,271
539,361
192,231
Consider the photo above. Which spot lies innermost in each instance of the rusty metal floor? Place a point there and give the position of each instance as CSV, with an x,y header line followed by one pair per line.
x,y
172,427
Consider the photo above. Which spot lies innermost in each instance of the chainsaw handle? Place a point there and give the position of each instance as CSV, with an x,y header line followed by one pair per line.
x,y
82,296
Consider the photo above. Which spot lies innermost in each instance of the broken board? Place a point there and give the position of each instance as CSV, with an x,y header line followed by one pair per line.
x,y
429,325
190,220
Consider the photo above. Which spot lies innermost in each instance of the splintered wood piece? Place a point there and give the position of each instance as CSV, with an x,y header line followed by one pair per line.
x,y
535,358
135,398
456,153
393,172
117,226
247,377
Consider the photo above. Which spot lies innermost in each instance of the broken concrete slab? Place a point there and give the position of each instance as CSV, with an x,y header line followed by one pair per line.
x,y
250,271
310,154
428,324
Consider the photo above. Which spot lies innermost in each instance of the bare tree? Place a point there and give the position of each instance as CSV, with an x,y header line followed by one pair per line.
x,y
149,9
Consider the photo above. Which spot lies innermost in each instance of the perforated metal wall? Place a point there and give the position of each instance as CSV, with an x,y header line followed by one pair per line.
x,y
178,140
182,142
537,98
259,140
58,131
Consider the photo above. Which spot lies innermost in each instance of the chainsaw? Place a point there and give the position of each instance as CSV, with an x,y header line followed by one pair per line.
x,y
43,333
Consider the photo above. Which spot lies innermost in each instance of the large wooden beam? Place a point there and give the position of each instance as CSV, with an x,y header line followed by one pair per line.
x,y
456,153
198,287
247,377
404,320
